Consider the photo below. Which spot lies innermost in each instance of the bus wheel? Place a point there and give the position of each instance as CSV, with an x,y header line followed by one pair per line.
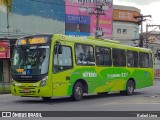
x,y
46,98
77,91
129,88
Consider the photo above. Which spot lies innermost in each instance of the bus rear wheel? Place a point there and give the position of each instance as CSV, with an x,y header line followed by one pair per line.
x,y
77,91
129,88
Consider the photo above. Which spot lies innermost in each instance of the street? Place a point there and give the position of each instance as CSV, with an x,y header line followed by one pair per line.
x,y
147,99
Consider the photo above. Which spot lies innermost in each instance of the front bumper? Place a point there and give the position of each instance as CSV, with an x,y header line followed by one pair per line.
x,y
31,90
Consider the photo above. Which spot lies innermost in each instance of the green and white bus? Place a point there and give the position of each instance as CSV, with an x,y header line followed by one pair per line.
x,y
57,65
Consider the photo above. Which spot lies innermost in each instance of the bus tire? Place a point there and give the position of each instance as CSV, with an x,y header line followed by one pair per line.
x,y
46,98
129,88
77,91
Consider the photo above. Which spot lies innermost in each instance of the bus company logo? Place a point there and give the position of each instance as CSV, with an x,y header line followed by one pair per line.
x,y
6,114
90,74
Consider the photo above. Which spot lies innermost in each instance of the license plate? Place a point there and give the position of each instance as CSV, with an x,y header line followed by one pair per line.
x,y
26,91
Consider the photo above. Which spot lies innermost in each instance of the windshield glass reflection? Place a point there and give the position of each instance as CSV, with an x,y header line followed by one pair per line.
x,y
30,60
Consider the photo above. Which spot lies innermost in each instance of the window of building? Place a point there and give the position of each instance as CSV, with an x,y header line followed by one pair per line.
x,y
103,56
143,60
132,59
84,54
118,31
124,31
119,57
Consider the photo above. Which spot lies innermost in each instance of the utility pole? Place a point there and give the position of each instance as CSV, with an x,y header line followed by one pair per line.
x,y
141,19
98,11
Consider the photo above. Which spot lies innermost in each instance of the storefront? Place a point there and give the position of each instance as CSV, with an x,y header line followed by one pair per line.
x,y
4,61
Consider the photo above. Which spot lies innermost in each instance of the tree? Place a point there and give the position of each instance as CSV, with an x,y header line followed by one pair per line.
x,y
7,3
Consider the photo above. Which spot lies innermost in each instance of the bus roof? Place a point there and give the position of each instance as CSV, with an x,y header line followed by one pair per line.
x,y
100,42
93,41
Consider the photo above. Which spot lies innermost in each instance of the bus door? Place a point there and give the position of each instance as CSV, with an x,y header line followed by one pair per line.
x,y
62,66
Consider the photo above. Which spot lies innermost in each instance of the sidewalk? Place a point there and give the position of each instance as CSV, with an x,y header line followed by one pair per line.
x,y
5,88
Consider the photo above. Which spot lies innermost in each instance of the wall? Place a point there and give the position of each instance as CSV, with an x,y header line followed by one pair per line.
x,y
33,17
132,31
3,20
125,26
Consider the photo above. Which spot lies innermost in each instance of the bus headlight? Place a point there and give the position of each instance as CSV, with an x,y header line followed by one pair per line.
x,y
43,82
12,82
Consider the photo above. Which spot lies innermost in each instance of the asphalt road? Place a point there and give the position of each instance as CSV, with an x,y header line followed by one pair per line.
x,y
147,99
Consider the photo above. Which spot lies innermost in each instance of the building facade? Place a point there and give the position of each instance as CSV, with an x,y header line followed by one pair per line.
x,y
125,25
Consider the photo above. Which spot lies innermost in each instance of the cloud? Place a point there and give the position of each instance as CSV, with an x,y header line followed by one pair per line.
x,y
138,2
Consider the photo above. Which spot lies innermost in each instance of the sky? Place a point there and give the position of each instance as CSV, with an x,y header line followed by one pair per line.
x,y
147,7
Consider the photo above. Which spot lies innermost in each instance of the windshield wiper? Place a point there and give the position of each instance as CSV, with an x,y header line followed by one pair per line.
x,y
35,51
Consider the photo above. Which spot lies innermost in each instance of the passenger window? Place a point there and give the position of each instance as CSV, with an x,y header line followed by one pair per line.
x,y
150,61
84,54
103,56
132,59
119,57
143,60
62,58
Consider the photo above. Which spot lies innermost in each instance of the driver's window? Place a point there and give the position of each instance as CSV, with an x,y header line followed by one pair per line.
x,y
16,58
62,58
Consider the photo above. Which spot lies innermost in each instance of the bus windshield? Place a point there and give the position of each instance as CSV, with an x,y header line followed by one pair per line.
x,y
30,60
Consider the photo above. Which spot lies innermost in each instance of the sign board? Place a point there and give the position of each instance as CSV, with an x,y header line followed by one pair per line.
x,y
125,15
4,49
79,21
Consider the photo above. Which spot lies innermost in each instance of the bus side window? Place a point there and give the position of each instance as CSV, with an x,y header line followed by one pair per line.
x,y
103,56
84,54
132,58
143,60
119,57
150,61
